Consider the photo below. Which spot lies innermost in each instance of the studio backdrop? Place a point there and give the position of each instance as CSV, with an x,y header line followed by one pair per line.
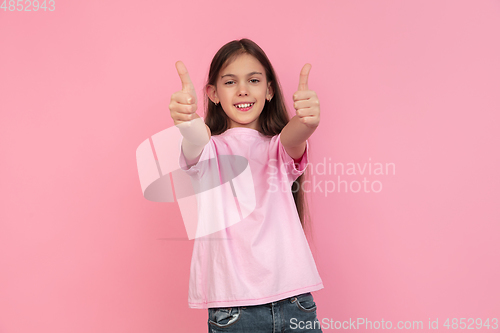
x,y
403,187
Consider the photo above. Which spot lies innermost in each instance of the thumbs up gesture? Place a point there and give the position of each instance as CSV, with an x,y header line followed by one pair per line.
x,y
183,103
305,101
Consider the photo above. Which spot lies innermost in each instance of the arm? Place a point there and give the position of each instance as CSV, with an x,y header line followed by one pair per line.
x,y
196,134
294,136
183,104
305,122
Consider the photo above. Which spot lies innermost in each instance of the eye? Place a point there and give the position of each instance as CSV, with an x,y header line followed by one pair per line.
x,y
228,82
255,80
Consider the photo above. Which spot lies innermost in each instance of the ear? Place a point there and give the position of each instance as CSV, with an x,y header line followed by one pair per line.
x,y
212,93
270,91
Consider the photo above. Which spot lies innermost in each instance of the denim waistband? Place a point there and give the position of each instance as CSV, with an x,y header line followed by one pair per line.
x,y
270,304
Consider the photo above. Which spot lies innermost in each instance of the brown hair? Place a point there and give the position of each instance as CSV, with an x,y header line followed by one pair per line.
x,y
274,115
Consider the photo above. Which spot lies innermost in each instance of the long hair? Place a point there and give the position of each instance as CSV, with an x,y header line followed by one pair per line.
x,y
274,115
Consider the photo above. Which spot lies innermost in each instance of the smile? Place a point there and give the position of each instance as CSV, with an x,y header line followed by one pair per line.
x,y
244,106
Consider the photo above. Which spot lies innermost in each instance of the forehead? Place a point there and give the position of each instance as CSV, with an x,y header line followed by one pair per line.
x,y
242,65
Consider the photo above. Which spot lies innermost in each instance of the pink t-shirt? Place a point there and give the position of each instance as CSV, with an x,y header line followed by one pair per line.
x,y
265,256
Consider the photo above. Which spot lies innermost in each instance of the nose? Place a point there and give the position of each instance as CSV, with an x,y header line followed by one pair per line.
x,y
242,90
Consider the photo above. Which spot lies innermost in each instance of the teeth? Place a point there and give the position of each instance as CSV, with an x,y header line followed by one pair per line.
x,y
240,106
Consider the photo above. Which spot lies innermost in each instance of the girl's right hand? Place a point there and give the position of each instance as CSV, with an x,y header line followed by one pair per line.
x,y
183,103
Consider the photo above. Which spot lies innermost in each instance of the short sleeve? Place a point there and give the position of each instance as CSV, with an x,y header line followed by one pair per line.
x,y
294,170
197,169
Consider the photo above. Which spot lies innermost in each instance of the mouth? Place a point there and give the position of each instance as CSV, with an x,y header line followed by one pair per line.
x,y
244,106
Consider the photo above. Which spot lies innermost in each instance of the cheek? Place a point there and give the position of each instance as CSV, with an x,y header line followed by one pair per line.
x,y
225,95
223,98
259,92
224,102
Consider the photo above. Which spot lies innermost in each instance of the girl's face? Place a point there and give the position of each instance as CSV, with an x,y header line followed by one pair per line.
x,y
242,82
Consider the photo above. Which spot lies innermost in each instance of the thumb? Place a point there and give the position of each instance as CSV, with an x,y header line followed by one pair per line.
x,y
187,84
304,75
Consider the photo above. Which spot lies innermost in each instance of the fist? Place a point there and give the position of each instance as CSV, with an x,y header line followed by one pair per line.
x,y
305,101
183,103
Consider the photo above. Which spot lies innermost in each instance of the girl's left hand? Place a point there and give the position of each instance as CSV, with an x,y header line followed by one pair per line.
x,y
305,101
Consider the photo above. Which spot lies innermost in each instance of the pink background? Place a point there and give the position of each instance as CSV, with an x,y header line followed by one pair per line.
x,y
414,83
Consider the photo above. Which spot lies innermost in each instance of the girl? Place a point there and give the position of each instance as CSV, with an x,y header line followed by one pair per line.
x,y
255,275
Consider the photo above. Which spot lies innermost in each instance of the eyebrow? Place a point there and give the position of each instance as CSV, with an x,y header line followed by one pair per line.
x,y
249,74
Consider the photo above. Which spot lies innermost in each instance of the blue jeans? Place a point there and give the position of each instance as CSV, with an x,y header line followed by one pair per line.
x,y
290,315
